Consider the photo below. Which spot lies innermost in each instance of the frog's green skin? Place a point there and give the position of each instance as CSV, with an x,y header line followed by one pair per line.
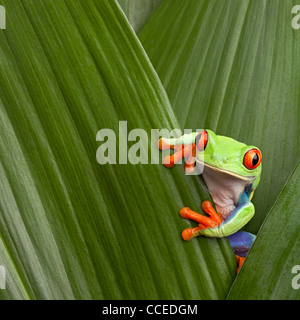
x,y
229,181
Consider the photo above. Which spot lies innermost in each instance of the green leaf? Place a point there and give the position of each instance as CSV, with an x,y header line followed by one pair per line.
x,y
138,11
267,271
70,227
233,67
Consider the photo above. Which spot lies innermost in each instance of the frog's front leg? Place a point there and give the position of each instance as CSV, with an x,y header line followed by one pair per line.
x,y
185,146
204,222
240,216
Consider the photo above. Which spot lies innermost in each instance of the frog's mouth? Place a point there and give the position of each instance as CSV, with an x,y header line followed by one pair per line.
x,y
248,179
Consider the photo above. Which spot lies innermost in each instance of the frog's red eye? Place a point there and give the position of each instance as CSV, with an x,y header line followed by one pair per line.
x,y
252,159
201,140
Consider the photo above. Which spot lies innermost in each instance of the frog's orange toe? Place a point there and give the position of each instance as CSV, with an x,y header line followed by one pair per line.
x,y
170,161
184,213
190,164
240,261
208,208
162,145
190,233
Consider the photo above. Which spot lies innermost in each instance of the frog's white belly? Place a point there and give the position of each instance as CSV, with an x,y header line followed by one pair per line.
x,y
224,189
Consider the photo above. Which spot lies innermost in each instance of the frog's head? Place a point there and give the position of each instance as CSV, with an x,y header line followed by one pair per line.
x,y
227,155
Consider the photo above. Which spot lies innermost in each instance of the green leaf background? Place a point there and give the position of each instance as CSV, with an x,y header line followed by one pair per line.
x,y
138,11
73,229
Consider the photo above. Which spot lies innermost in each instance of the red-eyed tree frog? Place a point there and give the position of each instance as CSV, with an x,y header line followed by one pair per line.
x,y
231,171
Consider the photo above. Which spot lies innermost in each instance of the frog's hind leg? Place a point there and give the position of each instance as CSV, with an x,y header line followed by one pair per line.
x,y
241,243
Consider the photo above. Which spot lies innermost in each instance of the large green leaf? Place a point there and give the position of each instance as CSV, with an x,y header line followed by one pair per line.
x,y
267,272
69,227
138,11
234,67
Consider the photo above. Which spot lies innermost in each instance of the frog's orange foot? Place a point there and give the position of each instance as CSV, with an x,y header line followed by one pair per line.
x,y
204,222
163,145
240,261
181,151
